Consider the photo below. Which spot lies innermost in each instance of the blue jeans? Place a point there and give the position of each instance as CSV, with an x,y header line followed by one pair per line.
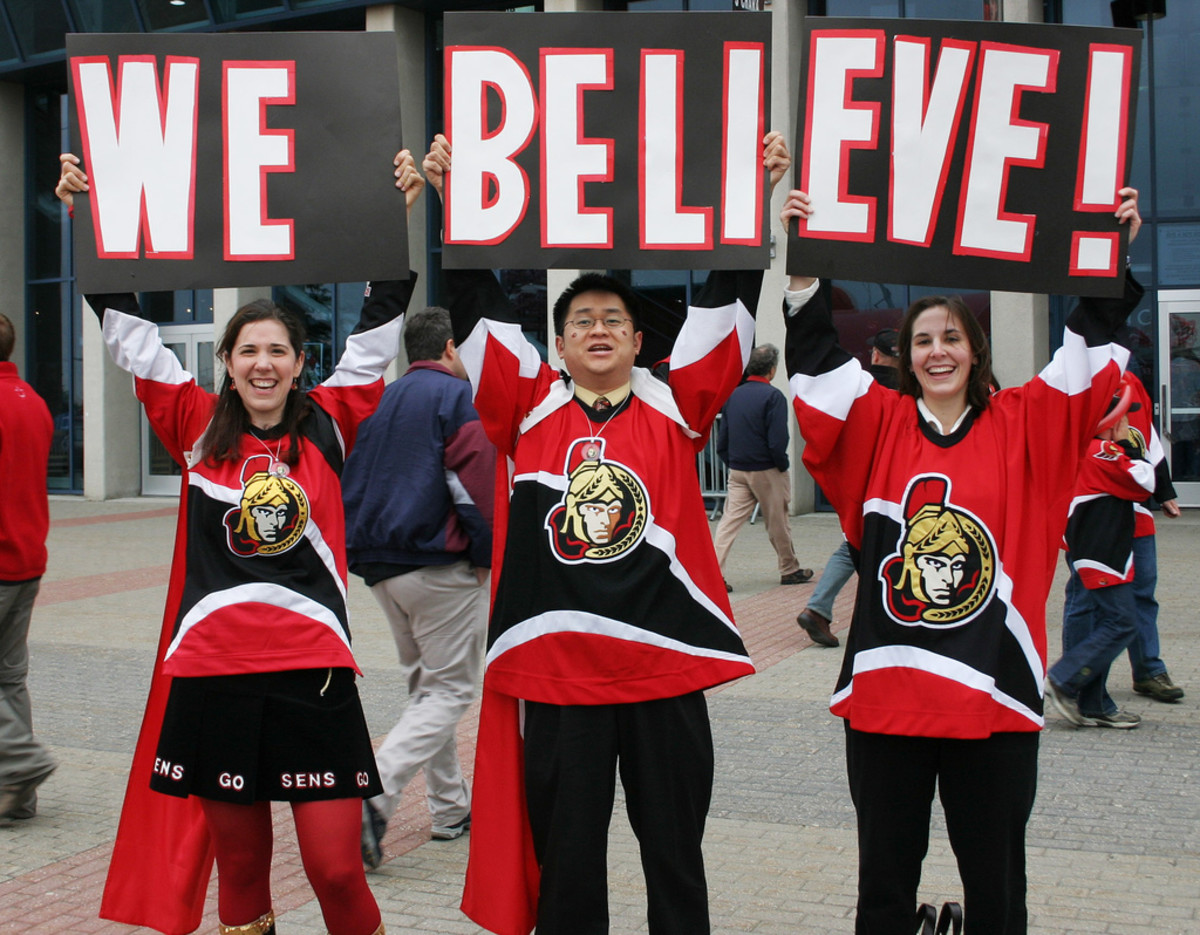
x,y
1096,631
1144,650
838,570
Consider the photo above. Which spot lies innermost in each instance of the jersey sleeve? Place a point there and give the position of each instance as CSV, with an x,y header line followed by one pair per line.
x,y
1067,399
177,408
352,391
508,376
840,408
713,346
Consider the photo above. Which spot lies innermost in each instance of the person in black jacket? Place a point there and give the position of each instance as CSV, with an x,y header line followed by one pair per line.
x,y
752,440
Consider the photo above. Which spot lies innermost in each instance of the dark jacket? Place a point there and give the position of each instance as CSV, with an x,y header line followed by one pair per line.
x,y
754,433
419,484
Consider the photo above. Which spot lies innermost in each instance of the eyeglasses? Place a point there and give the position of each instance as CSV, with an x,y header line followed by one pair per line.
x,y
586,324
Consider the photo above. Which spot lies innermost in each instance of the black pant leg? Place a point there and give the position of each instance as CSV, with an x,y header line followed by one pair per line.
x,y
666,766
892,780
987,789
570,785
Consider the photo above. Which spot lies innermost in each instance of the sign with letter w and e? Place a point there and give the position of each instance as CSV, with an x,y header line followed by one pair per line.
x,y
236,159
606,140
986,155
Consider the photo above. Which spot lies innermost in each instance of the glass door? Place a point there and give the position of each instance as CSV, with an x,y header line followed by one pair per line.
x,y
1179,369
193,345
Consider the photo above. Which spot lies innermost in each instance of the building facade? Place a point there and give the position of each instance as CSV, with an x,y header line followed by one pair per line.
x,y
102,448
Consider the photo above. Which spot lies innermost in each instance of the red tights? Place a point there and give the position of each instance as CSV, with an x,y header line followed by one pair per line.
x,y
328,833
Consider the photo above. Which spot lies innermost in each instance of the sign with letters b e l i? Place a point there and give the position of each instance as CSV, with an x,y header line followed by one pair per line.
x,y
976,154
606,140
236,159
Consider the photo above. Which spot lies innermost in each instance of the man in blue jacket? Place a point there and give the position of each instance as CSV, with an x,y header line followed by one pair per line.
x,y
418,490
753,441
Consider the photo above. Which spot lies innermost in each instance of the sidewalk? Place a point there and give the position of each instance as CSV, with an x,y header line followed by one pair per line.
x,y
1114,843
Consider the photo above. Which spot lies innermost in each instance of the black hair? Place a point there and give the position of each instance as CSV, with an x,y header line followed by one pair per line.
x,y
426,333
597,282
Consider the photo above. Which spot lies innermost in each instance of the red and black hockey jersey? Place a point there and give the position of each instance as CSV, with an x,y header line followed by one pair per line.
x,y
1100,530
629,607
955,536
1146,442
245,594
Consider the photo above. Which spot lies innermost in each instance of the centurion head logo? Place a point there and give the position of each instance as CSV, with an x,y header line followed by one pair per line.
x,y
603,512
944,567
272,513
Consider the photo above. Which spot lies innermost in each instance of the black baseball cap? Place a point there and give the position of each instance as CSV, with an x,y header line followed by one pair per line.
x,y
886,341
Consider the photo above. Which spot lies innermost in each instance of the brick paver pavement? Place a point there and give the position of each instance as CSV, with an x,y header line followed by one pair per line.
x,y
1114,842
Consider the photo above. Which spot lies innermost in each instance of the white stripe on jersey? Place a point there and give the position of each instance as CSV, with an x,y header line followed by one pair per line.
x,y
705,328
832,393
1075,364
367,355
911,657
509,335
575,621
135,345
260,592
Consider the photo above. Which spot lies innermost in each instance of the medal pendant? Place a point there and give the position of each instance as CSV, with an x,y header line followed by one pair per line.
x,y
279,469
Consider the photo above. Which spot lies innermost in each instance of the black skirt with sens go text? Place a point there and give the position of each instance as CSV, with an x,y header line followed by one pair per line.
x,y
293,736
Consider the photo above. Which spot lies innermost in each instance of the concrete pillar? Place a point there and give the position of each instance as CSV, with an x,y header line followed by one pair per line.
x,y
12,213
112,427
409,29
787,21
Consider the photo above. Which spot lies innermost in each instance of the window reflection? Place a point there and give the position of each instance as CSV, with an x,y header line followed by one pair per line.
x,y
103,16
160,15
39,26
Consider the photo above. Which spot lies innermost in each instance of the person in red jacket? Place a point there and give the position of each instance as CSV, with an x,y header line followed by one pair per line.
x,y
25,433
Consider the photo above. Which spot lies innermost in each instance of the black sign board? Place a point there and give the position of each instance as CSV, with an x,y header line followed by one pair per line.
x,y
980,154
607,140
236,159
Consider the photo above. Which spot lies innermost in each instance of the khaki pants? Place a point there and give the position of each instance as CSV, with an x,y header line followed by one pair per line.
x,y
771,490
438,616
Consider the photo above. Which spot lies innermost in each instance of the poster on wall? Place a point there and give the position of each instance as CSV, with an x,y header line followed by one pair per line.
x,y
977,154
606,140
236,159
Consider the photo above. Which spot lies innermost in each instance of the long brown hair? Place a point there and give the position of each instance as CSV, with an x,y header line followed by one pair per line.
x,y
230,420
980,381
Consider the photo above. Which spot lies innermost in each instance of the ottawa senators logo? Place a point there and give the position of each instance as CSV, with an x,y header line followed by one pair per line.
x,y
1138,440
272,514
603,513
944,567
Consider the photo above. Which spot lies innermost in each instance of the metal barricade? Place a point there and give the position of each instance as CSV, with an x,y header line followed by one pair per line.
x,y
713,474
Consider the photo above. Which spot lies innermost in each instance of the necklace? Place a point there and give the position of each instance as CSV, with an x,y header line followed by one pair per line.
x,y
592,452
278,468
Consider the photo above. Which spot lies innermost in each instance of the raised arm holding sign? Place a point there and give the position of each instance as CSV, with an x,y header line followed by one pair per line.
x,y
253,696
610,615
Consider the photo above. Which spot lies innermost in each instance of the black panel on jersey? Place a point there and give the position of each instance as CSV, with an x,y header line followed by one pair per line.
x,y
299,569
637,588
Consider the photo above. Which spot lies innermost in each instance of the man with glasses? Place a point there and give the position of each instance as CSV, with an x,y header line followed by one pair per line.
x,y
610,616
